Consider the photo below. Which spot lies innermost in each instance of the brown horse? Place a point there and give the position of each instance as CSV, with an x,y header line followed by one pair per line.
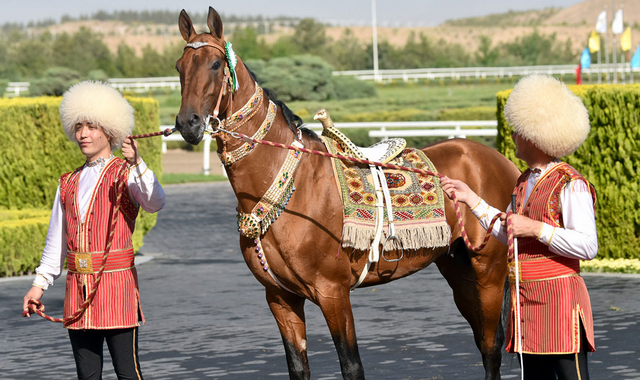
x,y
303,244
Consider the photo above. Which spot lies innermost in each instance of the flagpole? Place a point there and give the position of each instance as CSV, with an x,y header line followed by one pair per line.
x,y
599,66
615,53
374,23
606,47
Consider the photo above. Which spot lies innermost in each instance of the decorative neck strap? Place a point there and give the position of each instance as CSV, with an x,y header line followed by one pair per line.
x,y
274,201
245,113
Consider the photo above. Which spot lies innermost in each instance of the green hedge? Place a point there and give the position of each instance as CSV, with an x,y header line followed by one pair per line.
x,y
21,241
34,152
609,159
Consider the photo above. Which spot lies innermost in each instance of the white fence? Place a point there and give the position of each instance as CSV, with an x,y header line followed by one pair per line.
x,y
622,69
449,129
459,73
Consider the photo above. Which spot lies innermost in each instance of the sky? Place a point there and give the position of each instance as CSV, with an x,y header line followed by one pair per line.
x,y
353,12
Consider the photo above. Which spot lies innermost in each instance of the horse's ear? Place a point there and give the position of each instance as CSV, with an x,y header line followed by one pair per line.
x,y
186,26
214,22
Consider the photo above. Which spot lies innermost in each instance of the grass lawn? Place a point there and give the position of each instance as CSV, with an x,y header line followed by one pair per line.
x,y
177,178
422,102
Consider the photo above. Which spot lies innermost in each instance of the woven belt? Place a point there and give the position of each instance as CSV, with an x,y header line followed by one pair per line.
x,y
545,268
90,262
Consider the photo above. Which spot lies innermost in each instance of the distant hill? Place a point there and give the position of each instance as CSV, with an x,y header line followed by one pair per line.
x,y
587,13
511,18
574,23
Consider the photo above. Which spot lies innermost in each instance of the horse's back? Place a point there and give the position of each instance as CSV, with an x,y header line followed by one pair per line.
x,y
484,169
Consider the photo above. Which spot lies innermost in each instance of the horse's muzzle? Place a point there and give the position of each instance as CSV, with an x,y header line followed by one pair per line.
x,y
193,130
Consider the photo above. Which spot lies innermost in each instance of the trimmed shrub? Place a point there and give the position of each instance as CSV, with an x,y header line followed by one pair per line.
x,y
300,77
609,159
346,87
467,113
54,82
21,243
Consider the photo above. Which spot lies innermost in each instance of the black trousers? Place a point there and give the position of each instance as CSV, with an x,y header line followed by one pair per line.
x,y
123,346
558,367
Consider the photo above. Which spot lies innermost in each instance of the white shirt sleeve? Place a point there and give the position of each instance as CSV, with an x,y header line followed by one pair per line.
x,y
578,239
145,189
485,214
55,249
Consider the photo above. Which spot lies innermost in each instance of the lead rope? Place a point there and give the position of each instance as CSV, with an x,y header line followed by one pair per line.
x,y
35,306
456,203
512,243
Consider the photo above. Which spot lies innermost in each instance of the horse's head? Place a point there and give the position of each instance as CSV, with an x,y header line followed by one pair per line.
x,y
202,68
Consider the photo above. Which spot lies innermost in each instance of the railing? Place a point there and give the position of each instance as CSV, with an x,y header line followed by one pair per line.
x,y
458,73
449,129
406,75
15,88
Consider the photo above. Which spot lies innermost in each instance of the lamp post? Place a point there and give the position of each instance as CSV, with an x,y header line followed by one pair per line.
x,y
374,23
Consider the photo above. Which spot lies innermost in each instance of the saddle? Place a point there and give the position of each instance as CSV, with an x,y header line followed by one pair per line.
x,y
414,202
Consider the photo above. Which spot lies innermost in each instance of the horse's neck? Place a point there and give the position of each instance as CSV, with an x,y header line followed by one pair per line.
x,y
252,175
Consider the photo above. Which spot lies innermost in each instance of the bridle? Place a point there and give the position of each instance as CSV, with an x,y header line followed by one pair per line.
x,y
227,83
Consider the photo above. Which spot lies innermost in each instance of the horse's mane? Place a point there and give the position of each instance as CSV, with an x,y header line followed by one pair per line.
x,y
293,121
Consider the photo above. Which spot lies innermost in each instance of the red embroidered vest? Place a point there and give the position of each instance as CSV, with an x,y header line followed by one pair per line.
x,y
117,301
553,297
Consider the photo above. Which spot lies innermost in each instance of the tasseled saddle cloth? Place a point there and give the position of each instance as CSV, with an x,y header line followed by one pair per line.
x,y
416,200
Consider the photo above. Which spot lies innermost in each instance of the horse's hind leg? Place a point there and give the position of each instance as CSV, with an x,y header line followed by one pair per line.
x,y
478,286
336,308
288,309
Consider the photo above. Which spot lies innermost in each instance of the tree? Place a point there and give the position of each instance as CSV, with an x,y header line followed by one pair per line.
x,y
127,62
347,53
284,47
245,43
54,82
300,77
485,55
310,36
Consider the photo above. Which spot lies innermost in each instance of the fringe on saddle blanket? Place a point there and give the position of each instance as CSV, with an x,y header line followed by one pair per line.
x,y
417,203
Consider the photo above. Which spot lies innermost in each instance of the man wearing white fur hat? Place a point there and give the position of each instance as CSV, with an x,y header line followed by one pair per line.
x,y
99,120
555,226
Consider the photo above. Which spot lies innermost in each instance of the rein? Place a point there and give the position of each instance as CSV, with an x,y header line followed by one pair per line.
x,y
35,306
463,231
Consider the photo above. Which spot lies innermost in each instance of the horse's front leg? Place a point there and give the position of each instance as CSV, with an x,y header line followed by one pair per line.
x,y
288,309
336,308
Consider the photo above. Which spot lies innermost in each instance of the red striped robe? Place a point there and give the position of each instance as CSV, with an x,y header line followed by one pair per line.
x,y
553,296
117,301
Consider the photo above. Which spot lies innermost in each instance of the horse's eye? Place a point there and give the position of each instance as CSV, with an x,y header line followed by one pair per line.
x,y
216,65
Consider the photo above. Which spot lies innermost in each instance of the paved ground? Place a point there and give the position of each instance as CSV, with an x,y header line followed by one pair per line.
x,y
207,317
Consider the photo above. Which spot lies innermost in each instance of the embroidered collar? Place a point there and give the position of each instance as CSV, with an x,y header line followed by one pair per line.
x,y
536,173
101,162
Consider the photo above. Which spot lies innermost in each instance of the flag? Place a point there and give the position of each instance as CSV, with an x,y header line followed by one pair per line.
x,y
594,42
585,59
617,25
601,24
635,61
625,40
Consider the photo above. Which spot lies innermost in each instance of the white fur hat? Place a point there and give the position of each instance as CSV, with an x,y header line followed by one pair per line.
x,y
100,104
545,112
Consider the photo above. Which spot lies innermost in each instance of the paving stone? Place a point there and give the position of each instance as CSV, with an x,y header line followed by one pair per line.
x,y
207,317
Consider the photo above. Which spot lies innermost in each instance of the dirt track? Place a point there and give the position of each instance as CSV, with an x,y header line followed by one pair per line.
x,y
182,161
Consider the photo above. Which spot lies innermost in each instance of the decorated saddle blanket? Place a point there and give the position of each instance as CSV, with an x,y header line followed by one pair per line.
x,y
417,202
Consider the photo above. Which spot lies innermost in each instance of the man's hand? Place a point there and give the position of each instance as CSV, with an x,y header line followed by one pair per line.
x,y
33,293
464,194
522,225
130,150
